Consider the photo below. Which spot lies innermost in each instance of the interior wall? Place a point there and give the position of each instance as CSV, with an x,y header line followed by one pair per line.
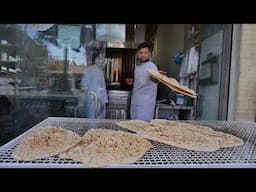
x,y
169,40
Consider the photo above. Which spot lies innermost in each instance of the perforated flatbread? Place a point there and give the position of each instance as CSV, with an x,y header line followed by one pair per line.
x,y
111,147
45,142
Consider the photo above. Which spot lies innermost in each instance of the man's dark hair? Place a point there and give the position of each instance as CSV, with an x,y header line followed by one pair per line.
x,y
144,45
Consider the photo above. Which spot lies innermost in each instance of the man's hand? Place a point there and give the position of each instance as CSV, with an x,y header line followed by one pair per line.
x,y
129,81
163,72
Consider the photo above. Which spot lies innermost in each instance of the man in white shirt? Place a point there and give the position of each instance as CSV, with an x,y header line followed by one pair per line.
x,y
144,91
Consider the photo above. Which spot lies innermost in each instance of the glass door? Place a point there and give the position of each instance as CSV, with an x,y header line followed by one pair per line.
x,y
213,72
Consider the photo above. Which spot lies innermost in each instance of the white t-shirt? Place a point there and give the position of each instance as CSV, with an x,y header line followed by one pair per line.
x,y
144,89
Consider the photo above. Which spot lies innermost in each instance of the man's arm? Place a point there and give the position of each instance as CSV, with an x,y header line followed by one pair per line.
x,y
161,72
153,79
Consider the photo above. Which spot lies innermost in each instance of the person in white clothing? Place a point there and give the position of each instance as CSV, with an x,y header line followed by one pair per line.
x,y
144,91
93,82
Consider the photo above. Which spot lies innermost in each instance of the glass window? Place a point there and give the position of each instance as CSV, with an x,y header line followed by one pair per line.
x,y
46,70
42,66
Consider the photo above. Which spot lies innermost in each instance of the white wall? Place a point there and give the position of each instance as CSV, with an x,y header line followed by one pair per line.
x,y
246,93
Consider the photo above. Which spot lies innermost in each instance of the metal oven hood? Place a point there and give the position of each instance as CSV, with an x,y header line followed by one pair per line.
x,y
116,44
114,34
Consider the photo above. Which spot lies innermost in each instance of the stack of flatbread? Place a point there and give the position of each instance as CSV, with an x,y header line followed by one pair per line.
x,y
45,142
101,147
183,135
172,84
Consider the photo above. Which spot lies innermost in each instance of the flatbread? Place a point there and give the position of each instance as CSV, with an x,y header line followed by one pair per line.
x,y
90,136
173,84
111,147
45,142
182,138
165,122
224,139
180,134
162,131
135,125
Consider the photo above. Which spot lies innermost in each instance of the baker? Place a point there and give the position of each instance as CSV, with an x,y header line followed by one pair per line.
x,y
143,99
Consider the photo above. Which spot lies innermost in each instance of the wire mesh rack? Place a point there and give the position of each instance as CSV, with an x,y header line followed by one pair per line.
x,y
160,156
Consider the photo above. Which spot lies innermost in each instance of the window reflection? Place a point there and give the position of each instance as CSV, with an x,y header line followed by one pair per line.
x,y
41,73
42,66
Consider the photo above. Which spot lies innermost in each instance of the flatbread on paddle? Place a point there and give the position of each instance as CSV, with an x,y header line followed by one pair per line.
x,y
45,142
111,147
172,84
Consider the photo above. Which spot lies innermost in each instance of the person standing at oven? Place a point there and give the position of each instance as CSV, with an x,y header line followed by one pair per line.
x,y
93,82
144,90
